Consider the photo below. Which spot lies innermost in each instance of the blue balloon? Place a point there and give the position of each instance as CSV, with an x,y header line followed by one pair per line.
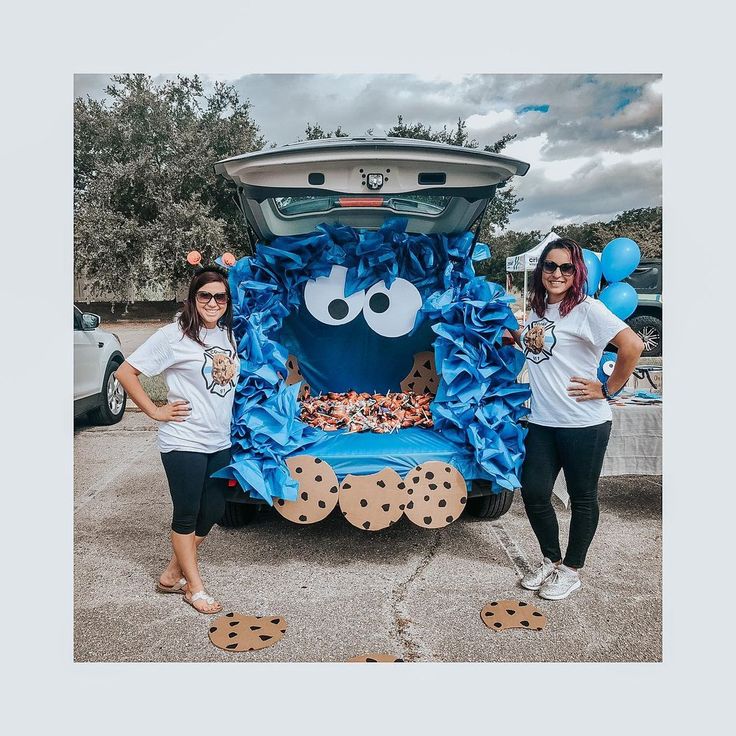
x,y
605,368
620,298
619,259
595,270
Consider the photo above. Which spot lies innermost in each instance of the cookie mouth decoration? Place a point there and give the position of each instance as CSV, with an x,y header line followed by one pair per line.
x,y
378,355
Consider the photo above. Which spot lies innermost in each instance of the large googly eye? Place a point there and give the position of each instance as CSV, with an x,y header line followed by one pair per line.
x,y
392,312
608,367
326,301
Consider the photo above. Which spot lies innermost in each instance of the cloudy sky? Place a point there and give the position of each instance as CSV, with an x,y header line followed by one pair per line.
x,y
594,142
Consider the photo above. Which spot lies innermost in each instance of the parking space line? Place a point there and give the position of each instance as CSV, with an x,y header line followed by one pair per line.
x,y
513,552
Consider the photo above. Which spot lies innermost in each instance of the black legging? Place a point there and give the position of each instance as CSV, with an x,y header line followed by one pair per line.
x,y
579,452
199,501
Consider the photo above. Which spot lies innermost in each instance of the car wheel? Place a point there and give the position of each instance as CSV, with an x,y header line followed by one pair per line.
x,y
112,405
649,330
238,514
490,507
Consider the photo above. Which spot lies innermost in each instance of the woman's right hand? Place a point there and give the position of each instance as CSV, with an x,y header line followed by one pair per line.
x,y
175,411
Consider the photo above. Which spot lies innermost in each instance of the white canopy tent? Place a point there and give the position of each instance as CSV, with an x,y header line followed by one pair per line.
x,y
528,261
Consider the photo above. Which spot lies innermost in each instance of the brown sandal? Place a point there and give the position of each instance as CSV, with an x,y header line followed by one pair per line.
x,y
175,588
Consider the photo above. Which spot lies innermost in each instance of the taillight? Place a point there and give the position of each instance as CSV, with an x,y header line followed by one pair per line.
x,y
232,483
361,201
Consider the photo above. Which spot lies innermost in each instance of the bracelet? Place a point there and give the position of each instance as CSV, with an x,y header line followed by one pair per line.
x,y
604,388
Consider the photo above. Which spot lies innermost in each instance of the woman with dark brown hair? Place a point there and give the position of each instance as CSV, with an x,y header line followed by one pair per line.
x,y
197,358
570,419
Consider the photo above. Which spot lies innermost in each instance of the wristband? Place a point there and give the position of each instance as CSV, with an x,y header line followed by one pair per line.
x,y
604,388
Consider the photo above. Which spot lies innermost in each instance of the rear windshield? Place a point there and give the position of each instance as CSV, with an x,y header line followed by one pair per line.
x,y
424,204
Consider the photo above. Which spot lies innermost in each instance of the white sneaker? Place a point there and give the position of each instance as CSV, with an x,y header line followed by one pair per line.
x,y
533,580
560,584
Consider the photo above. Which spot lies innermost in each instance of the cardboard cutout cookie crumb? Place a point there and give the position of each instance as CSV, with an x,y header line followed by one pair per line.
x,y
234,632
295,376
375,658
317,494
373,502
436,494
422,378
511,614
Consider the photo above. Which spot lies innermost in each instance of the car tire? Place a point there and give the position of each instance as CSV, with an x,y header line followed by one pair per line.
x,y
649,330
490,507
238,514
113,398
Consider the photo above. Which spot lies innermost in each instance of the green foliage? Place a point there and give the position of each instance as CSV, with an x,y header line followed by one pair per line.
x,y
315,132
144,190
641,225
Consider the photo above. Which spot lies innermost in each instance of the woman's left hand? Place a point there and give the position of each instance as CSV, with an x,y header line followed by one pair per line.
x,y
583,389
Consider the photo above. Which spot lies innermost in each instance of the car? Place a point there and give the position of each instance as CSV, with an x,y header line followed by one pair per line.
x,y
97,355
646,320
308,317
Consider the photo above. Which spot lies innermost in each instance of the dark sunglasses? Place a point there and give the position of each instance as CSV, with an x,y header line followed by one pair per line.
x,y
204,297
566,269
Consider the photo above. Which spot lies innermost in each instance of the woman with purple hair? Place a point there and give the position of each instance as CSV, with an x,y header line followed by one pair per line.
x,y
570,419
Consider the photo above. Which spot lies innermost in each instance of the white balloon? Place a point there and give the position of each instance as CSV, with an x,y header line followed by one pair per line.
x,y
392,312
325,298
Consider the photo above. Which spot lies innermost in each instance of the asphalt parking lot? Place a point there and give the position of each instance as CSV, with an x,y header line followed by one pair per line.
x,y
407,591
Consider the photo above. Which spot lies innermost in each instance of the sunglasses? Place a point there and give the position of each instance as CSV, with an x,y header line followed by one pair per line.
x,y
204,297
566,269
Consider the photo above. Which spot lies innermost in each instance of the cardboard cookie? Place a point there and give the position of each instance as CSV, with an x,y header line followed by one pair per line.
x,y
317,494
373,502
295,375
436,494
422,378
237,633
375,658
508,614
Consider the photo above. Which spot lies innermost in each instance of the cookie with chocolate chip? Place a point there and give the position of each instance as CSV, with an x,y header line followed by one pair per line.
x,y
375,658
436,494
422,378
512,614
373,502
294,375
317,494
234,632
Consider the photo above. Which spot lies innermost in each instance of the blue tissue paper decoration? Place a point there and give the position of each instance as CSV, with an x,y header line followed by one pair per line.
x,y
478,403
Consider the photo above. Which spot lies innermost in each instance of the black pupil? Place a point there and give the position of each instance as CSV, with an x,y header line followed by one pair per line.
x,y
379,303
338,309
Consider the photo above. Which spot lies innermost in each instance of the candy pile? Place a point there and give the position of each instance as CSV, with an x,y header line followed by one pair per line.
x,y
361,412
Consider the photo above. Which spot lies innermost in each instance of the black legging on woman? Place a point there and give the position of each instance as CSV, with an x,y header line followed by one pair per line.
x,y
199,501
579,452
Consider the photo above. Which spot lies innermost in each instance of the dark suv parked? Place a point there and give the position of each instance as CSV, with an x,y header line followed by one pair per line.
x,y
647,319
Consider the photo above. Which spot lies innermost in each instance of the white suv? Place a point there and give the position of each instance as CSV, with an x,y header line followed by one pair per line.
x,y
97,355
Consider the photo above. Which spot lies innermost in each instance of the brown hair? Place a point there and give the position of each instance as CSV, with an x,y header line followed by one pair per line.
x,y
576,293
189,319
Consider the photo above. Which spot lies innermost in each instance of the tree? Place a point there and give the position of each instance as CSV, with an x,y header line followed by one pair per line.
x,y
144,190
315,132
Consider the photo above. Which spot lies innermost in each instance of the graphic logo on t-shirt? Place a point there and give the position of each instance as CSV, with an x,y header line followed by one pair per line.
x,y
219,370
539,340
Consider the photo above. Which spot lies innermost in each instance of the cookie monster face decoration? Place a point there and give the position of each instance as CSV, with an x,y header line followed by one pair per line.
x,y
398,322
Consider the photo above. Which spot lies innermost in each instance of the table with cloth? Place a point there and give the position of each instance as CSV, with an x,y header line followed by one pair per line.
x,y
635,446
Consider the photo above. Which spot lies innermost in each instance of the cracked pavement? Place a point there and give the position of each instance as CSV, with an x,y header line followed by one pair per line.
x,y
406,591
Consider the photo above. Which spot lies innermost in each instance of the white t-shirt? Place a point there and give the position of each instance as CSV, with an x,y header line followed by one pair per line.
x,y
204,376
557,348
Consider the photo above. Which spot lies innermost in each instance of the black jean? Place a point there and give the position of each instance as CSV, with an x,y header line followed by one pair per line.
x,y
579,452
199,501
